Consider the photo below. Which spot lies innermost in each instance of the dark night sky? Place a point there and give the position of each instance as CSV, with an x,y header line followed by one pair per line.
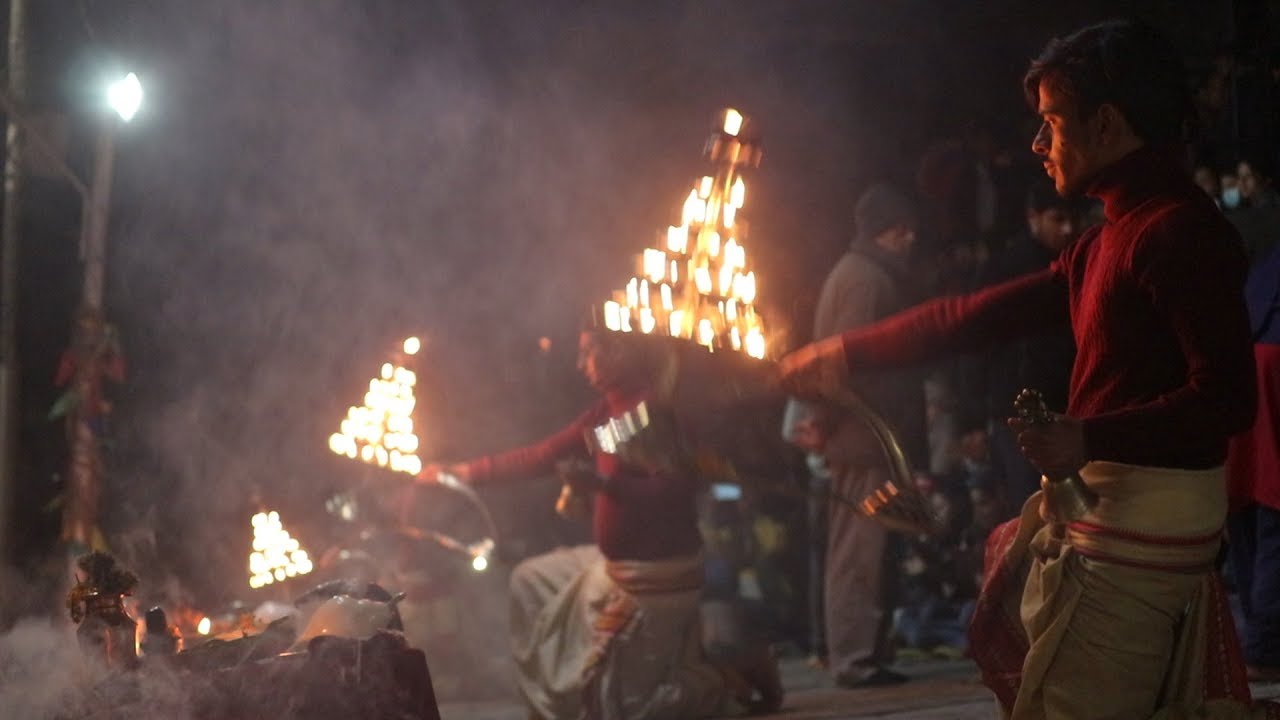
x,y
310,181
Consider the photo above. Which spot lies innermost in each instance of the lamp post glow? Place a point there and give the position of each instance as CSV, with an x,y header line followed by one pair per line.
x,y
125,96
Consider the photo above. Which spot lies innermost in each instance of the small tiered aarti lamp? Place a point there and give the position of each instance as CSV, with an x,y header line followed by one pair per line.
x,y
698,284
276,555
380,432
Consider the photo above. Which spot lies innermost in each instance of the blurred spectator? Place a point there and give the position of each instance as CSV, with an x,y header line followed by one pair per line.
x,y
1214,101
1253,477
870,282
937,589
1207,178
1042,361
1253,206
1230,190
970,187
1255,185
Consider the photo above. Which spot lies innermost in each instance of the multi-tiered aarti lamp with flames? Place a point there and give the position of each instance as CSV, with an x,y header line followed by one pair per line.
x,y
276,555
380,432
698,284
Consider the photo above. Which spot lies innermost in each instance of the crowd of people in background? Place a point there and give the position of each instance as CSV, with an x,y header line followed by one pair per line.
x,y
978,211
985,213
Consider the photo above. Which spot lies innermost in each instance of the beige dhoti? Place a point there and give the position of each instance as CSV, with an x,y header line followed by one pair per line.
x,y
612,640
1118,616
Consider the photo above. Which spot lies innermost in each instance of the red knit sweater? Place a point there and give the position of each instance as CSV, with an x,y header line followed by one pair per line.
x,y
639,515
1164,370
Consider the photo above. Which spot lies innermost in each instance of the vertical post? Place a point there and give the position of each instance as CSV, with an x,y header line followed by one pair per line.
x,y
10,227
90,349
95,226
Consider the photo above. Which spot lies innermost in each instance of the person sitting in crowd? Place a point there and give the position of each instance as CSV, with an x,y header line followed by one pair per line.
x,y
611,630
936,592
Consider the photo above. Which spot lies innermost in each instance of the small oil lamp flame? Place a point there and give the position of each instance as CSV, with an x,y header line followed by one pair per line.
x,y
732,122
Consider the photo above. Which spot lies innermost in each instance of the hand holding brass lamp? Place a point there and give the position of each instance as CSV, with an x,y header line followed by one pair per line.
x,y
1066,497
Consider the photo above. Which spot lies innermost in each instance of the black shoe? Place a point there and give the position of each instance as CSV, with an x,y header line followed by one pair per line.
x,y
877,677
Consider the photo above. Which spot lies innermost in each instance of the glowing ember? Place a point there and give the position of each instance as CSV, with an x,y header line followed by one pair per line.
x,y
204,626
381,431
276,556
704,285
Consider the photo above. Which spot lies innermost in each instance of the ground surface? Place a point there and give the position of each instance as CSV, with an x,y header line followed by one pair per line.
x,y
939,690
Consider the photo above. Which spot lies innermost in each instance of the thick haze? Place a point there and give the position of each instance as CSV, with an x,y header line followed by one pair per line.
x,y
330,177
311,181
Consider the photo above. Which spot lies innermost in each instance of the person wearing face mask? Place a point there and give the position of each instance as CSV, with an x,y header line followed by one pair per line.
x,y
1114,611
1230,198
1251,205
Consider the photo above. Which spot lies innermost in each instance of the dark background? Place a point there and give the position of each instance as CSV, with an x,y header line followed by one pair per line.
x,y
311,181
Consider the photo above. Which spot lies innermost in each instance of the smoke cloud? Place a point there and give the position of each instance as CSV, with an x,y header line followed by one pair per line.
x,y
311,181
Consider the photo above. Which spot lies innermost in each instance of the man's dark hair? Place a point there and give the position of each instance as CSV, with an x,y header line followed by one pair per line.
x,y
1125,63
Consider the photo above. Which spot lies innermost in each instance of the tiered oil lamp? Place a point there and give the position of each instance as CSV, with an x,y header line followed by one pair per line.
x,y
380,432
276,555
698,284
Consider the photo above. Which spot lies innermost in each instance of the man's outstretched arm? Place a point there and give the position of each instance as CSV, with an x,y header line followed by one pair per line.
x,y
1030,303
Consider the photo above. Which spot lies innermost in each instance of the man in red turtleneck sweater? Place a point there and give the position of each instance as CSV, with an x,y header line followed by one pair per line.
x,y
610,630
1119,613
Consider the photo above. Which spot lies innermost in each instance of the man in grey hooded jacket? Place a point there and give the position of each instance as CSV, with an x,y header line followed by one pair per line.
x,y
869,282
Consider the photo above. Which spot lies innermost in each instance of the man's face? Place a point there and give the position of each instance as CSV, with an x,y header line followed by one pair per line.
x,y
598,360
1068,143
1207,179
1053,227
1246,179
899,239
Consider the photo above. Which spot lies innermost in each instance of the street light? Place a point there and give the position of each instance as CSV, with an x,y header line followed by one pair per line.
x,y
125,96
91,344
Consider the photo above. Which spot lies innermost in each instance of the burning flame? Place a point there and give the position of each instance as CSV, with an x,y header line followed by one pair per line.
x,y
204,626
381,432
276,556
701,273
677,238
732,122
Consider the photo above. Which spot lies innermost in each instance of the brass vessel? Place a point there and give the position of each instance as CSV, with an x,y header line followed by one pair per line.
x,y
1066,499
